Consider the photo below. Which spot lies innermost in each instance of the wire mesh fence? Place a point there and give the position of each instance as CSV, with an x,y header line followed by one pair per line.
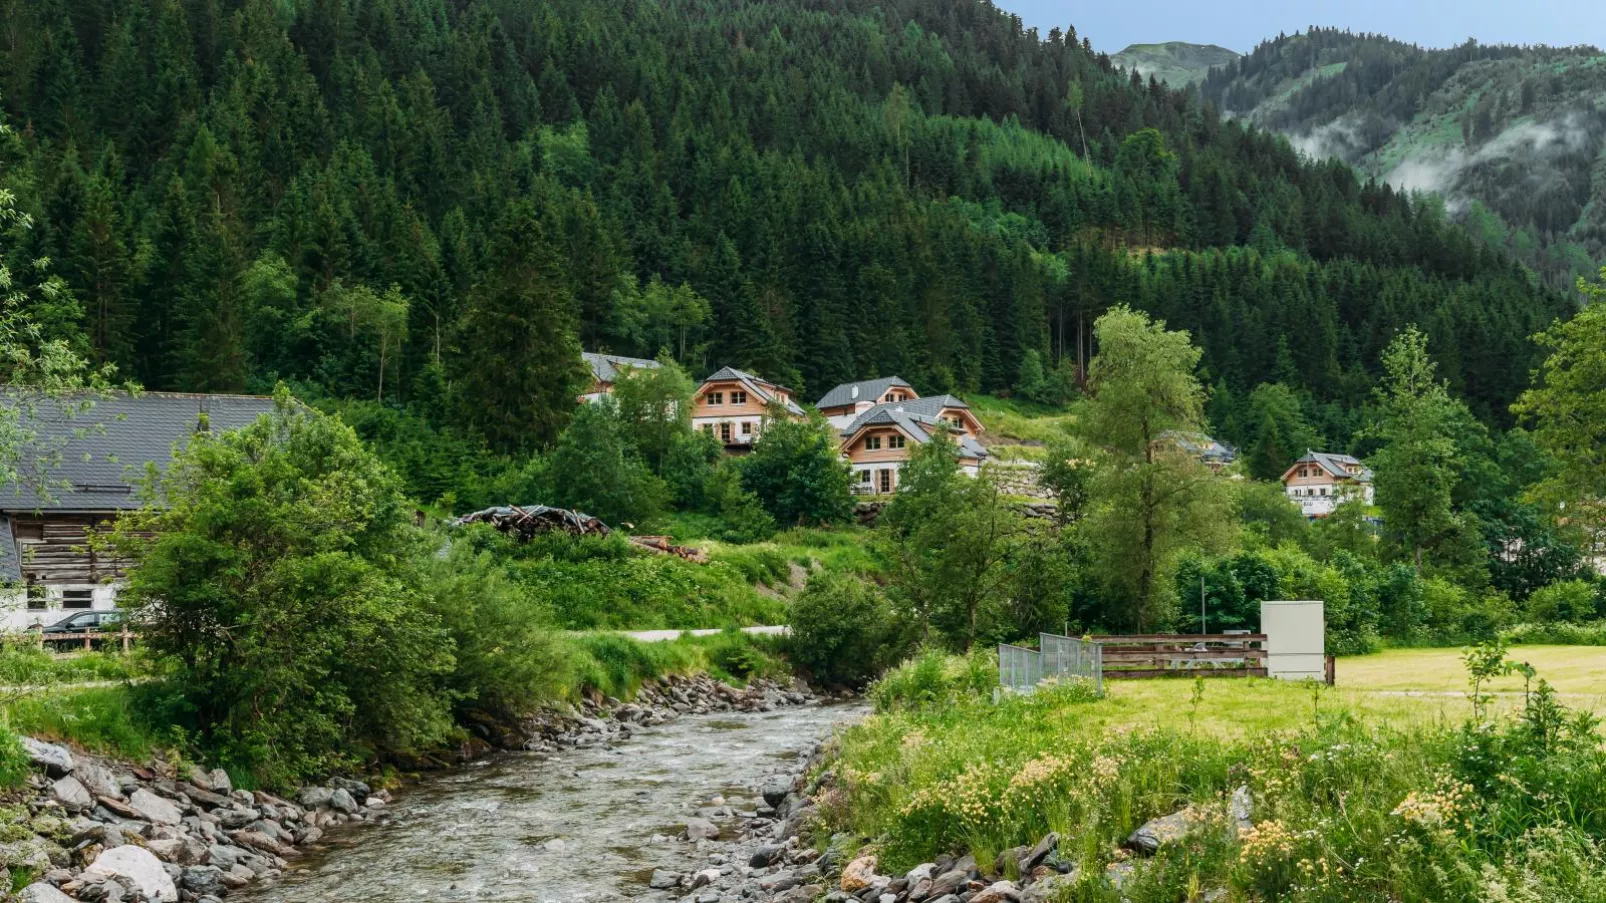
x,y
1021,669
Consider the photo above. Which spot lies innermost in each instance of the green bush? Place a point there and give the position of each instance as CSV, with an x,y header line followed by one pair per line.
x,y
936,678
1556,634
843,631
507,660
1573,601
24,664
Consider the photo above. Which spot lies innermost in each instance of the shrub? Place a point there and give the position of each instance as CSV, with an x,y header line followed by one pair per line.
x,y
935,678
842,630
506,659
1574,601
278,580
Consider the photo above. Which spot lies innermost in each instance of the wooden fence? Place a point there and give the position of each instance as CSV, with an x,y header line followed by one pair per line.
x,y
125,637
1183,655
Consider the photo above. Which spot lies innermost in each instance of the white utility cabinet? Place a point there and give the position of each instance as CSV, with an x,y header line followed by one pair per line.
x,y
1296,639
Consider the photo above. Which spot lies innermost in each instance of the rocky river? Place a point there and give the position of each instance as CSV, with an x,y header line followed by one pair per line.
x,y
595,823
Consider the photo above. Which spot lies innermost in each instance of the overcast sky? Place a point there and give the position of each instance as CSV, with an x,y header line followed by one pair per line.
x,y
1241,24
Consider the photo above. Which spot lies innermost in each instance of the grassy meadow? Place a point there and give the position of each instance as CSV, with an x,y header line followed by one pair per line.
x,y
1388,787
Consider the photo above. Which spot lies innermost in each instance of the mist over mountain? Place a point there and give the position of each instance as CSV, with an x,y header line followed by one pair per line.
x,y
1511,138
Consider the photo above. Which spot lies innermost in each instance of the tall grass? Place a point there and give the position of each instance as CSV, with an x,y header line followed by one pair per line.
x,y
1510,808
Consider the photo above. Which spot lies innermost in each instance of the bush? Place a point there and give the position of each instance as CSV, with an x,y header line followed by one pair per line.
x,y
1573,601
935,678
507,660
1562,634
278,579
842,630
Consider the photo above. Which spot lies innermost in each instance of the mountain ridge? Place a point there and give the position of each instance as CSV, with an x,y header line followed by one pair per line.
x,y
1174,63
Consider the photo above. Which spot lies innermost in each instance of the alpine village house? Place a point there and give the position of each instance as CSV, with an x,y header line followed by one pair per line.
x,y
48,571
732,406
1319,482
884,420
606,370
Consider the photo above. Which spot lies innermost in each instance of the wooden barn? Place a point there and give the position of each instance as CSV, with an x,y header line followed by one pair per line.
x,y
47,570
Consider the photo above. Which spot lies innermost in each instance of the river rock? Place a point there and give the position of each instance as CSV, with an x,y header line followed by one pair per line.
x,y
999,892
701,829
859,874
202,880
40,892
775,790
359,791
214,781
140,868
1242,807
72,795
99,780
55,760
1158,832
342,800
663,879
1051,887
256,840
154,809
766,855
180,850
1035,856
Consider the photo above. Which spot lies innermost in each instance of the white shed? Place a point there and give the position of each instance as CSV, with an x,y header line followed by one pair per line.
x,y
1296,639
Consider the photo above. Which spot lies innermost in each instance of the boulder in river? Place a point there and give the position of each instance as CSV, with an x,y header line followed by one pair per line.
x,y
154,809
701,829
40,892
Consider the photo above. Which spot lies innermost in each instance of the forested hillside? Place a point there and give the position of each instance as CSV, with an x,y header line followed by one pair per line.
x,y
1513,138
1176,63
427,207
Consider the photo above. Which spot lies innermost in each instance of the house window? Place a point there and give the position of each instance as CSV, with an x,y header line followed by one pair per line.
x,y
38,598
886,480
738,397
871,443
747,428
724,432
716,397
864,477
30,532
77,598
895,441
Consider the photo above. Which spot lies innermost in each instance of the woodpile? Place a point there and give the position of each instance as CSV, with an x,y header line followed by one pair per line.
x,y
524,523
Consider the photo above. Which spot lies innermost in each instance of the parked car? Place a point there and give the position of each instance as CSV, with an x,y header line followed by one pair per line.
x,y
86,622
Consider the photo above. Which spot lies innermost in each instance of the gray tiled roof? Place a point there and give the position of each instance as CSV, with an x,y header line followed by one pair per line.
x,y
763,388
1203,446
105,449
868,390
1337,465
913,420
606,367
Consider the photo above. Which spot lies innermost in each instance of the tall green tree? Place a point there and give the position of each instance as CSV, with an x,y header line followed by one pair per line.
x,y
1567,407
1149,497
517,364
1416,467
596,468
655,404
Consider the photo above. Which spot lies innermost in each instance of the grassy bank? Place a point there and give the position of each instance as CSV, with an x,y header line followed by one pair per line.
x,y
1360,793
129,720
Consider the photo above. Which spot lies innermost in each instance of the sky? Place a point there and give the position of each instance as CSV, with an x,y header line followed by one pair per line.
x,y
1241,24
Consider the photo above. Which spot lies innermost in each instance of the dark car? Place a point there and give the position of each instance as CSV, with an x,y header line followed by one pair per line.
x,y
86,622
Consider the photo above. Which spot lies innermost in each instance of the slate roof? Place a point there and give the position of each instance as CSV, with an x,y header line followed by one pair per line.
x,y
763,388
1203,446
606,367
104,450
869,390
913,417
1336,465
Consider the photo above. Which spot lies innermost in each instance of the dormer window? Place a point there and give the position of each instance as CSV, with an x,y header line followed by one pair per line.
x,y
896,440
872,443
716,397
738,397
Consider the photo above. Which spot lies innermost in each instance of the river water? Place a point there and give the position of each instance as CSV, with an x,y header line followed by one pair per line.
x,y
575,827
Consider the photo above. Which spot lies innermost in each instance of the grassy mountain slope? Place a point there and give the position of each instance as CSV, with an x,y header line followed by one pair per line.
x,y
1175,63
1513,138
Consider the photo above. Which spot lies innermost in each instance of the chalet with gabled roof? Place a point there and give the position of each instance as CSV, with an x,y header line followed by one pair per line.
x,y
1320,481
606,369
843,404
733,406
882,438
